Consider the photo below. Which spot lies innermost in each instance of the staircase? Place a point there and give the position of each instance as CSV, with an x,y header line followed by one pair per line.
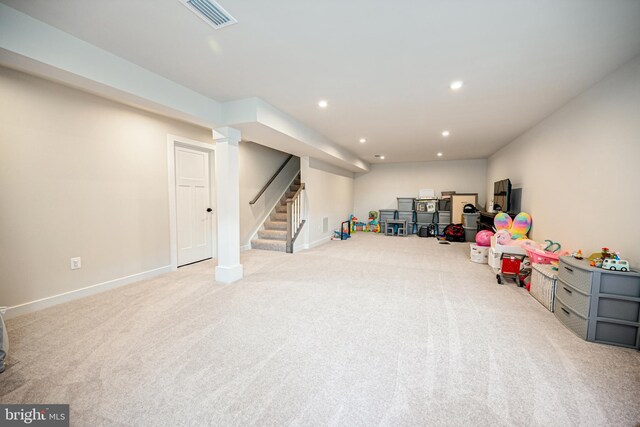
x,y
273,236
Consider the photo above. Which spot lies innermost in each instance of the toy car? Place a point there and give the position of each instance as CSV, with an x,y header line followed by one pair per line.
x,y
615,264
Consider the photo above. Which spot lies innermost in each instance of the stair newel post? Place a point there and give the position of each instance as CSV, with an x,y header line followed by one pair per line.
x,y
289,247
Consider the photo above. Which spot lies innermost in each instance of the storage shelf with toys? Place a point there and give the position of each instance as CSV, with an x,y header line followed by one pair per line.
x,y
612,312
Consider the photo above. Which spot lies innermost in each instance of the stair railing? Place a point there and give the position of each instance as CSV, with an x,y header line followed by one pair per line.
x,y
255,199
295,212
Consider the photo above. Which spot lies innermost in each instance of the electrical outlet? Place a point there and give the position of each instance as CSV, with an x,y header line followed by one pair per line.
x,y
76,263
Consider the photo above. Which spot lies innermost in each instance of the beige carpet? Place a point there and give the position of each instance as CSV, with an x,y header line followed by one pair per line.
x,y
375,330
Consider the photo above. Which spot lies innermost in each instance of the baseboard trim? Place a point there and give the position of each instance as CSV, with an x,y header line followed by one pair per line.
x,y
318,242
245,247
42,303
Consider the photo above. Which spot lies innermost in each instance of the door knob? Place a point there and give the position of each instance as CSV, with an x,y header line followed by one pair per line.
x,y
209,210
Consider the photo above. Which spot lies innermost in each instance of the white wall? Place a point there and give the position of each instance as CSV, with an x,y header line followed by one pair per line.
x,y
79,176
84,176
579,169
329,194
379,188
257,165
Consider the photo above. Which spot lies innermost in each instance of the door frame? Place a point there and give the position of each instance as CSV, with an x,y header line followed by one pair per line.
x,y
172,142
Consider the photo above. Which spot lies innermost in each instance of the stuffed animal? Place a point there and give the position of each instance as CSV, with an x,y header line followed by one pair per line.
x,y
503,237
517,228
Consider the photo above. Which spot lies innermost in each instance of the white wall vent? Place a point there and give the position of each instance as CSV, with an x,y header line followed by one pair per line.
x,y
210,12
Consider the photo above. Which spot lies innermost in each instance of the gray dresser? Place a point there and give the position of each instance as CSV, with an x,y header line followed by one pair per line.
x,y
599,305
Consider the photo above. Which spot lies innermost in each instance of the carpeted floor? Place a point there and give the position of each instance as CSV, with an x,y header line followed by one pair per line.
x,y
375,330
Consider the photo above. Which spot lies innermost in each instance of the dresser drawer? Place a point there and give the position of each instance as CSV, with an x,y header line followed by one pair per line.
x,y
573,298
616,333
618,309
577,324
576,277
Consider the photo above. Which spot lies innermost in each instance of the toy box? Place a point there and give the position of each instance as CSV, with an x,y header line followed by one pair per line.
x,y
507,249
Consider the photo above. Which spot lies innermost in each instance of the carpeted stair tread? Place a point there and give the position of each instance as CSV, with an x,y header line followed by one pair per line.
x,y
281,208
279,216
269,245
273,234
275,225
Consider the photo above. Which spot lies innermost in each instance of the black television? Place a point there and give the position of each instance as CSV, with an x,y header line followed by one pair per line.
x,y
502,195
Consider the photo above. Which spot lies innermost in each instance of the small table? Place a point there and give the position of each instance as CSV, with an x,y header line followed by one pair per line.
x,y
401,224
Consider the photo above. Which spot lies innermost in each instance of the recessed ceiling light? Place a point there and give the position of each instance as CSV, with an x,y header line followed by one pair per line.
x,y
446,133
363,140
379,156
439,154
456,85
323,103
382,157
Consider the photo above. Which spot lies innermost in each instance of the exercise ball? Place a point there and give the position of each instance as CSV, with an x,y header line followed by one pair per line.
x,y
483,238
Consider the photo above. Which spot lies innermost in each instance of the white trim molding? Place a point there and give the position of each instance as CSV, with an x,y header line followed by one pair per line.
x,y
42,303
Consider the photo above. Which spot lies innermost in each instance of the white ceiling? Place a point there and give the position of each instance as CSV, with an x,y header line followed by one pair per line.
x,y
385,67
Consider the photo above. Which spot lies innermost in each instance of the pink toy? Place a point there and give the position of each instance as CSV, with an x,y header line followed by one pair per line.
x,y
483,238
503,237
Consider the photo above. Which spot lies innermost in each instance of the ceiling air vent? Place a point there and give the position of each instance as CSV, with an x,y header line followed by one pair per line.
x,y
210,12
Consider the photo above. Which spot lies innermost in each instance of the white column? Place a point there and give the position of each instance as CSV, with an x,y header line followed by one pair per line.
x,y
229,268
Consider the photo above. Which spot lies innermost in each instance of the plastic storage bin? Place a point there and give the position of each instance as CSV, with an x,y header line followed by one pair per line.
x,y
411,228
479,254
444,217
541,257
425,217
430,206
470,234
470,220
405,203
409,216
444,204
543,285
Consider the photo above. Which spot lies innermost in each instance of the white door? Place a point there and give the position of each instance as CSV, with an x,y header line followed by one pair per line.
x,y
193,205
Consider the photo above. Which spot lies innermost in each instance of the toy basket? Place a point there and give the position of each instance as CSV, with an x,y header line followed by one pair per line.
x,y
542,257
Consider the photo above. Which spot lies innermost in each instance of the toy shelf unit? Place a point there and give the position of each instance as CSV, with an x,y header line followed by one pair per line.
x,y
598,305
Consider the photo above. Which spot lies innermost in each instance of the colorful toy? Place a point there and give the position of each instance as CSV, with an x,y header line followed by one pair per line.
x,y
521,226
616,264
483,238
344,233
373,225
502,221
356,225
517,228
